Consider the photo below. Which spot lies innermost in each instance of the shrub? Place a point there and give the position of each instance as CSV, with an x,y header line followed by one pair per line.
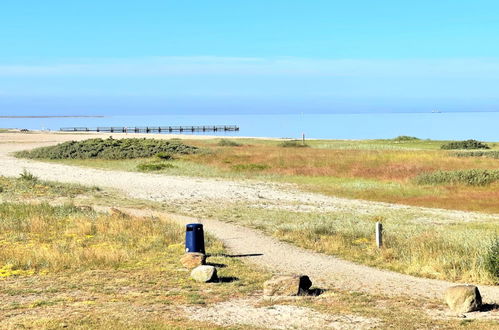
x,y
228,143
250,167
293,144
148,167
109,149
27,176
488,154
468,144
491,259
474,177
406,138
165,156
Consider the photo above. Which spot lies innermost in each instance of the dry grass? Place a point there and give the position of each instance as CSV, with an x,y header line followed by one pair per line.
x,y
413,244
55,261
379,170
123,272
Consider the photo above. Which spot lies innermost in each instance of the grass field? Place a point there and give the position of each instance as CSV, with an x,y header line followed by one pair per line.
x,y
71,267
378,170
64,266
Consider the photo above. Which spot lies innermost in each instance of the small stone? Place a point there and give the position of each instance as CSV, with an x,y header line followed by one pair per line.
x,y
204,273
463,298
287,285
193,259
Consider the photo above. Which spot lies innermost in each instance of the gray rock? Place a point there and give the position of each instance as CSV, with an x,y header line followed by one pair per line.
x,y
193,259
204,273
463,298
287,285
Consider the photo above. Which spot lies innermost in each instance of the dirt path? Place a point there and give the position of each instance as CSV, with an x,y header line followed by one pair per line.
x,y
324,270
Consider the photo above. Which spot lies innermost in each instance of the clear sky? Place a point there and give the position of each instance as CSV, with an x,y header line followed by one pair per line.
x,y
238,56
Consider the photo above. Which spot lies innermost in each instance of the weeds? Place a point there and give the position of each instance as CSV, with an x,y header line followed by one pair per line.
x,y
491,259
474,177
27,176
148,167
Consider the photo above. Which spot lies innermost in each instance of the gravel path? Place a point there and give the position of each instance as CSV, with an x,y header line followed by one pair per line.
x,y
324,270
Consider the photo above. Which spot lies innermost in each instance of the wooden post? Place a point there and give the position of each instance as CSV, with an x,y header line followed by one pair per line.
x,y
303,138
379,234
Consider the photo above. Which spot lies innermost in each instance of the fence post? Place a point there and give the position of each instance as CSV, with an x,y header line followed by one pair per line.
x,y
379,234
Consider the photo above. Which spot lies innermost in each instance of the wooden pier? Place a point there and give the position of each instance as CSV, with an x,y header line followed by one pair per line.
x,y
154,129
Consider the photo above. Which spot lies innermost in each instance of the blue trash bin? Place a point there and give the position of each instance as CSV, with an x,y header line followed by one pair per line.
x,y
194,238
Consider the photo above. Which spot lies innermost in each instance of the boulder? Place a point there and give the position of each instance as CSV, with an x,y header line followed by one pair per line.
x,y
463,298
287,285
204,273
193,259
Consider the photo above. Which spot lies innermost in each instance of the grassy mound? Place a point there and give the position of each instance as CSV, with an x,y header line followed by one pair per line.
x,y
474,177
109,149
468,144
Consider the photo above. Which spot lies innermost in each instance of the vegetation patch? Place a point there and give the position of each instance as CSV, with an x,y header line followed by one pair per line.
x,y
474,177
454,252
28,186
109,149
402,138
491,260
487,154
228,143
468,144
250,167
293,144
148,167
165,156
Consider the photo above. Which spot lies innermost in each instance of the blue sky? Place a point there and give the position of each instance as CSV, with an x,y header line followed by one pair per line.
x,y
93,57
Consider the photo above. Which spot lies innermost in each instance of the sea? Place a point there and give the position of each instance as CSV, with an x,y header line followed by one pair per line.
x,y
482,126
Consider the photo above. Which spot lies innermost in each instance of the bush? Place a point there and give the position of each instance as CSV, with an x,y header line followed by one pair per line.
x,y
250,167
406,138
468,144
228,143
488,154
165,156
148,167
293,144
474,177
109,149
491,259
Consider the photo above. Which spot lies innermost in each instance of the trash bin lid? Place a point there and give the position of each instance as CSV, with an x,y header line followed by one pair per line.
x,y
193,226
